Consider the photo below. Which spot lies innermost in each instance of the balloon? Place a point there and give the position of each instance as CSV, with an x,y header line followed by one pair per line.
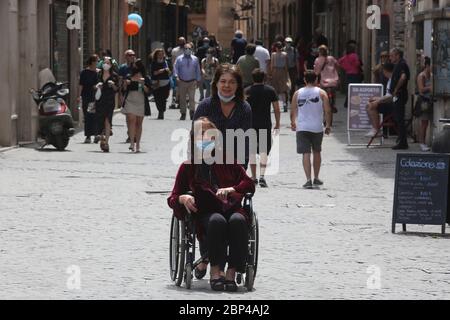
x,y
131,28
137,18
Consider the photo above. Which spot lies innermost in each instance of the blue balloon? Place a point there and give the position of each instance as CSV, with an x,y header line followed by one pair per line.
x,y
137,18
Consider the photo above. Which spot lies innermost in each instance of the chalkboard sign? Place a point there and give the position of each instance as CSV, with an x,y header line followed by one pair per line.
x,y
421,190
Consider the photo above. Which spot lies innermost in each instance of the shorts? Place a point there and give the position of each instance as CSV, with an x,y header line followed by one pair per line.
x,y
264,140
386,108
308,142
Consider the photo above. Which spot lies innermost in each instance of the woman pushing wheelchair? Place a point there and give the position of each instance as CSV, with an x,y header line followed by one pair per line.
x,y
213,193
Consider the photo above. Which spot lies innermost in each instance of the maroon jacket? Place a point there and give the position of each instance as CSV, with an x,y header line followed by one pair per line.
x,y
206,200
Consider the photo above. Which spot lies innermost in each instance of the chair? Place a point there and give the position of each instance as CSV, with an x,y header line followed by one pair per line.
x,y
388,122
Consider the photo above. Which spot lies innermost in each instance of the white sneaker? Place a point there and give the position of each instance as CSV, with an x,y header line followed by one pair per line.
x,y
424,148
371,133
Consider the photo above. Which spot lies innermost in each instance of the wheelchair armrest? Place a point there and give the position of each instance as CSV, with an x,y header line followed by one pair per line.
x,y
249,196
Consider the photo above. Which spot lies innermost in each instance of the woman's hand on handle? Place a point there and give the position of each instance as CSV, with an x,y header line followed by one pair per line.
x,y
224,193
189,203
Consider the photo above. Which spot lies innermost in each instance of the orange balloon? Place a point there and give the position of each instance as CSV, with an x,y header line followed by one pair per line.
x,y
131,28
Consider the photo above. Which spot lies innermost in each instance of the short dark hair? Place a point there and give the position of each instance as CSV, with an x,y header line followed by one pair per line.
x,y
427,61
250,49
279,45
388,67
138,67
93,58
310,76
259,76
259,42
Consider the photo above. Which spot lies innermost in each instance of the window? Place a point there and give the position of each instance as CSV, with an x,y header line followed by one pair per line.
x,y
197,6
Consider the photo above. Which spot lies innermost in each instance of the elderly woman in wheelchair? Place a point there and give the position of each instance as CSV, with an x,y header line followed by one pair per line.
x,y
212,194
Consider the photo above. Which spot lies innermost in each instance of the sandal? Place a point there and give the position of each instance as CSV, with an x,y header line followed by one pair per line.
x,y
231,286
218,284
200,274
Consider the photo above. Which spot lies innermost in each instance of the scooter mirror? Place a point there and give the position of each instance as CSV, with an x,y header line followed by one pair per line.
x,y
63,92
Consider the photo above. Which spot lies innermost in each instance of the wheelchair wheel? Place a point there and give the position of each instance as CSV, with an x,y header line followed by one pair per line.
x,y
254,243
177,251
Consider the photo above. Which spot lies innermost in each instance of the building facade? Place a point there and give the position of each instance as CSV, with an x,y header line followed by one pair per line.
x,y
36,36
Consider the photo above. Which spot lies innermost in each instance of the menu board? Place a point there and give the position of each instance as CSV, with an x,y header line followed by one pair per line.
x,y
421,189
358,99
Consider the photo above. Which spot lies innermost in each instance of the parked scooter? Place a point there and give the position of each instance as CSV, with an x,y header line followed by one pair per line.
x,y
55,119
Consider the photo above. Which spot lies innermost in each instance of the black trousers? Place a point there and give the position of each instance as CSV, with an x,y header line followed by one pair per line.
x,y
223,232
90,122
161,95
399,114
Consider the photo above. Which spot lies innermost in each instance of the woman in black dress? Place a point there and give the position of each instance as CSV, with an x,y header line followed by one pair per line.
x,y
108,83
88,82
160,74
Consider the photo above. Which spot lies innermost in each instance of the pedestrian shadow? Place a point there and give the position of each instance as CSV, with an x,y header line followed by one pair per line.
x,y
46,150
434,235
202,286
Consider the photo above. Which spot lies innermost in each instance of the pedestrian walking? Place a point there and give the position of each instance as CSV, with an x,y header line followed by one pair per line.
x,y
228,110
399,89
160,74
216,46
109,86
424,104
302,56
261,97
307,119
188,74
87,89
176,52
136,103
209,68
238,46
263,56
247,64
280,74
311,56
124,72
292,56
351,64
201,54
326,67
218,191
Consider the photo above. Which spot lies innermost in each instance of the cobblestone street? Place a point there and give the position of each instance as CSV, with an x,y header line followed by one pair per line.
x,y
107,214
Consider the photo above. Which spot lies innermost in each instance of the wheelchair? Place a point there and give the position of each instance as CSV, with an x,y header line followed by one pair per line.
x,y
183,245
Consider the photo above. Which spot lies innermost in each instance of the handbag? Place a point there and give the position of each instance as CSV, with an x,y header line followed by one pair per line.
x,y
98,94
91,108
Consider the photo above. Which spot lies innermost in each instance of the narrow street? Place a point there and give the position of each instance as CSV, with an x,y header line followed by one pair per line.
x,y
107,214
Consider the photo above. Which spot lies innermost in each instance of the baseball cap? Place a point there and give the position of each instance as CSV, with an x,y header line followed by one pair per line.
x,y
288,39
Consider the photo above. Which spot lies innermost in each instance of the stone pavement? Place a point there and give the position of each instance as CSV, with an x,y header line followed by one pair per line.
x,y
107,215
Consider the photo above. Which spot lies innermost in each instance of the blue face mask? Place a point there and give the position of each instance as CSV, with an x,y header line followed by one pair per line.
x,y
226,99
206,146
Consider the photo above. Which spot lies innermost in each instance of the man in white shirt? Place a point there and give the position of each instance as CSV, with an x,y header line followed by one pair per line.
x,y
263,56
307,119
